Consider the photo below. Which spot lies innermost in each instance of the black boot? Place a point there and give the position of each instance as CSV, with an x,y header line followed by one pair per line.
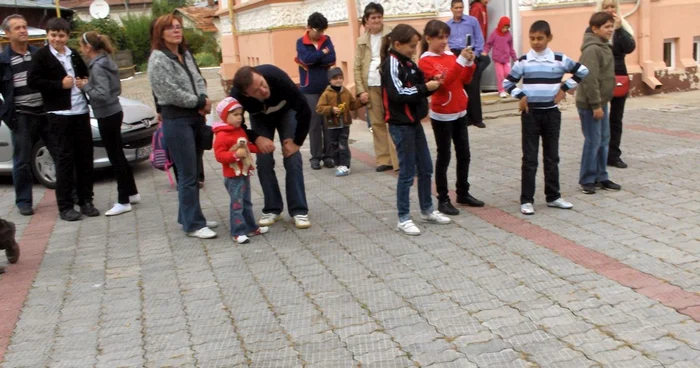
x,y
470,201
447,208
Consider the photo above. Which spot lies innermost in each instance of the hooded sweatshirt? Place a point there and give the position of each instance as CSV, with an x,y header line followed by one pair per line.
x,y
103,86
227,136
597,89
622,41
501,44
449,102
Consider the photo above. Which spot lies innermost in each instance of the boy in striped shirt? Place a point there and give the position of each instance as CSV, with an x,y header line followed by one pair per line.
x,y
542,71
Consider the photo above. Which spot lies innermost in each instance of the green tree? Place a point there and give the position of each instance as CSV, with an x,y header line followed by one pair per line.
x,y
105,26
162,7
138,40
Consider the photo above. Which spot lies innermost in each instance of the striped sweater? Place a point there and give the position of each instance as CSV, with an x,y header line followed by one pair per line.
x,y
542,75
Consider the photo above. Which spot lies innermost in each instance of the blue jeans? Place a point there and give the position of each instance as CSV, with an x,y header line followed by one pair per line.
x,y
179,136
29,129
413,152
594,158
285,124
241,211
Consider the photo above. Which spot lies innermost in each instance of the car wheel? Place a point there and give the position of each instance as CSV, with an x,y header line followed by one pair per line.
x,y
43,166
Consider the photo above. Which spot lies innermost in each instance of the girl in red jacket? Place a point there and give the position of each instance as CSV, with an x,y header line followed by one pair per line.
x,y
448,111
233,149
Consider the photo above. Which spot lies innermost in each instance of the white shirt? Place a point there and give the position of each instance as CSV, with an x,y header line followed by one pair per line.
x,y
374,79
79,104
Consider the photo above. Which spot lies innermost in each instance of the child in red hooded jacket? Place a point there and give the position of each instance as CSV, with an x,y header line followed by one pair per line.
x,y
233,149
501,45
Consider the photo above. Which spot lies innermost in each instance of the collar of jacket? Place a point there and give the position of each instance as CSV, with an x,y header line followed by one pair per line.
x,y
98,57
307,41
364,39
170,54
402,58
5,55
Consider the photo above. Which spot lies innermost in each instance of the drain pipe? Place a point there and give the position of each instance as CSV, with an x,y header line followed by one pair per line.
x,y
645,62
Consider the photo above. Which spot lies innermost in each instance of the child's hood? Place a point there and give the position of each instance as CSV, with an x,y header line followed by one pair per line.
x,y
592,39
504,21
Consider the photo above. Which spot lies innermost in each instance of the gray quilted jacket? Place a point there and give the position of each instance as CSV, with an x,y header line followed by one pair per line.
x,y
179,88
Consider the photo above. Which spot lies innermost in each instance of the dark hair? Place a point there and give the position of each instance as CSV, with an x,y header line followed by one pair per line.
x,y
372,8
541,26
453,2
58,24
433,28
158,28
402,33
318,21
599,19
97,41
244,78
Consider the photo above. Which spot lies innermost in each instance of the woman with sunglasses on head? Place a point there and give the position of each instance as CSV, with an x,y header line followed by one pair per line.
x,y
103,87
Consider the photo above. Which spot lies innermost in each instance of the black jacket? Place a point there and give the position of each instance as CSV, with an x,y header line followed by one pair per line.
x,y
403,90
7,86
622,44
46,76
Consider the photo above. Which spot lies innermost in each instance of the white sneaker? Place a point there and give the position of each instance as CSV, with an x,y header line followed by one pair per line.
x,y
302,221
261,230
527,209
408,227
203,233
503,95
241,239
436,217
269,219
118,209
342,171
134,199
560,203
212,224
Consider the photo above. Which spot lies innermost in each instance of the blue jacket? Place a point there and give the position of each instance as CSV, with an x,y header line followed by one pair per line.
x,y
314,64
7,87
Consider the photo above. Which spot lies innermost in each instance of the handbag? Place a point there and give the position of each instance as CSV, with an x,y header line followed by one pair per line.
x,y
622,86
205,137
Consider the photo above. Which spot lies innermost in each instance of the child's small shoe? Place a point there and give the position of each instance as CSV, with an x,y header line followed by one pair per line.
x,y
259,231
241,239
503,95
342,171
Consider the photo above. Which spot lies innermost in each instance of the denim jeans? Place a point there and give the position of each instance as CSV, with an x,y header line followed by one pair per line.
x,y
413,152
29,129
179,136
446,133
285,124
594,158
241,211
536,123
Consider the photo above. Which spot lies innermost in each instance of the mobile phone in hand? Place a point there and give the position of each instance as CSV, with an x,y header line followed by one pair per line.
x,y
469,41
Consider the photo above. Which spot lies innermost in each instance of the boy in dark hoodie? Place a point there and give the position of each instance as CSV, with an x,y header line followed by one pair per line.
x,y
594,94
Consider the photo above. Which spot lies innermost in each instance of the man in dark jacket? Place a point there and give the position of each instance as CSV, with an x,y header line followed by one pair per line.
x,y
22,109
315,55
275,103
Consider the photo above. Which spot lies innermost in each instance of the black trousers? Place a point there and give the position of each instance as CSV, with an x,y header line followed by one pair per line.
x,y
545,123
617,111
71,139
446,133
110,131
474,113
340,150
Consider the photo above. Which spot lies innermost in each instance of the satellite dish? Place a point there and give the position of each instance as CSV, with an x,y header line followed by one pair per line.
x,y
99,9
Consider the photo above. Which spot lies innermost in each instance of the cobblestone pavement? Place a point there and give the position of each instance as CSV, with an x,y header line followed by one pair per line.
x,y
614,282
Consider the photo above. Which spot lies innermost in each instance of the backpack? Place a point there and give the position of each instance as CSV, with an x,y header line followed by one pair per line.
x,y
160,157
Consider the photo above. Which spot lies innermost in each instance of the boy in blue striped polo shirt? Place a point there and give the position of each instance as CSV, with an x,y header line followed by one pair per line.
x,y
542,71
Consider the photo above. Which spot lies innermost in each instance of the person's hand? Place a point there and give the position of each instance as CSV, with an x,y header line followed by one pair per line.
x,y
432,85
618,20
241,152
265,145
522,107
81,82
561,95
67,82
326,51
468,54
206,109
364,97
336,110
598,113
289,147
484,54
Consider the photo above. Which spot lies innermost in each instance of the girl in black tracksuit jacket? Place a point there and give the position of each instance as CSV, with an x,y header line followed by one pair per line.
x,y
405,92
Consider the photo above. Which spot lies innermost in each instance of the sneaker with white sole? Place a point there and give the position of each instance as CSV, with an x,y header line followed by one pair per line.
x,y
527,209
203,233
269,219
241,239
118,209
408,227
560,203
503,95
212,224
134,199
342,171
436,217
302,221
259,231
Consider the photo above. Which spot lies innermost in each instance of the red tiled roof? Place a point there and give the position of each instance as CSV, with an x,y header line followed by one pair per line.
x,y
81,4
203,17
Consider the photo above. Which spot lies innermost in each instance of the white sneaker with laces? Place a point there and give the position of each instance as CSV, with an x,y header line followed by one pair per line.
x,y
408,227
118,209
269,219
527,209
302,221
134,199
212,224
560,203
259,231
241,239
203,233
436,217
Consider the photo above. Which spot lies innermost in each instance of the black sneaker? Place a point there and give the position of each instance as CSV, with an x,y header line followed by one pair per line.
x,y
469,201
479,124
70,215
26,211
315,165
329,163
618,163
609,185
381,168
588,188
447,208
89,210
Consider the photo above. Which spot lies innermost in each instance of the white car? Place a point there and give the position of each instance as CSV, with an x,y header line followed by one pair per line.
x,y
137,131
